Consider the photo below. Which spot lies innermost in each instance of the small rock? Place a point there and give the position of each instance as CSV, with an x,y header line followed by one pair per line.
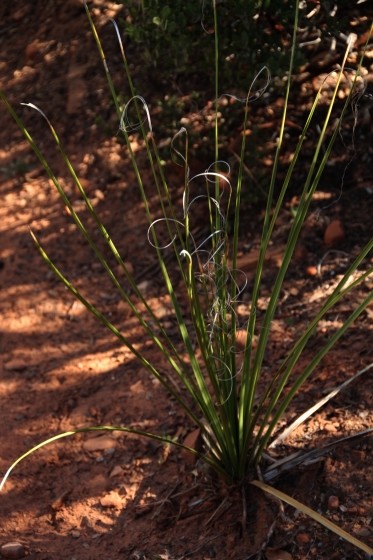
x,y
145,286
13,550
99,195
162,311
303,538
109,451
362,532
26,72
112,499
329,427
75,533
352,509
32,49
86,522
333,502
117,471
15,365
101,443
76,309
130,268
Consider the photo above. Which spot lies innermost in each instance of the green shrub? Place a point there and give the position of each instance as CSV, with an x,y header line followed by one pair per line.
x,y
175,40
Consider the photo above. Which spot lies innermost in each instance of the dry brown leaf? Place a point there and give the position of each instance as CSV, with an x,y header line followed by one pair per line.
x,y
334,233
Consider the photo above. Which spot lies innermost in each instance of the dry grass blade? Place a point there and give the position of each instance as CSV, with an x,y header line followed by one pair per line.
x,y
314,515
307,457
303,417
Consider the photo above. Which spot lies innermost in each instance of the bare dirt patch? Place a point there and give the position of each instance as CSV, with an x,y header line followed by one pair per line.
x,y
119,496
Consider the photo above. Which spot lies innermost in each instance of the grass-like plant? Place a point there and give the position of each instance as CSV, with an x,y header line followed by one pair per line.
x,y
221,390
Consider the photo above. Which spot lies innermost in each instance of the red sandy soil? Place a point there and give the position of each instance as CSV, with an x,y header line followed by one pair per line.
x,y
116,496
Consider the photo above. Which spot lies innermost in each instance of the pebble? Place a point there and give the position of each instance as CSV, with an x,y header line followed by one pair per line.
x,y
329,427
362,532
13,550
116,471
15,365
76,309
32,50
145,286
303,538
129,266
75,534
101,443
333,502
294,291
112,499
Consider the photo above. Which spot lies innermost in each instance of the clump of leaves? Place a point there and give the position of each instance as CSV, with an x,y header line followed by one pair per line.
x,y
236,411
168,38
